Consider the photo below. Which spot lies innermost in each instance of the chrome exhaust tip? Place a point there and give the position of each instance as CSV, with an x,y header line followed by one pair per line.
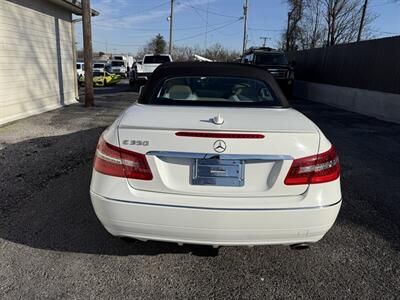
x,y
300,246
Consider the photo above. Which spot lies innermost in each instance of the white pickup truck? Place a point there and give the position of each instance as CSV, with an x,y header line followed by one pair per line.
x,y
143,69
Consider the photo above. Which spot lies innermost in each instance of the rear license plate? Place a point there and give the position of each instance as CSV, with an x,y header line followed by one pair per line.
x,y
218,172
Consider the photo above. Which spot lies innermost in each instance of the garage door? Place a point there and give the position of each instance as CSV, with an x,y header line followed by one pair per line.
x,y
37,69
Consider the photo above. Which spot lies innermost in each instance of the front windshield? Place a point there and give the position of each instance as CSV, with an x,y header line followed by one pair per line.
x,y
117,63
96,74
271,59
156,59
215,91
98,66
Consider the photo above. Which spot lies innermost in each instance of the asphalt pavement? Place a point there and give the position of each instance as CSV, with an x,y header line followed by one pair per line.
x,y
52,245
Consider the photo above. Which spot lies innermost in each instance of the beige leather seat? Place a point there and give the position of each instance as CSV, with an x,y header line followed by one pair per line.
x,y
181,92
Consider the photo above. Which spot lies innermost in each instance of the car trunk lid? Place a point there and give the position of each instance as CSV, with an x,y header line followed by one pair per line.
x,y
191,163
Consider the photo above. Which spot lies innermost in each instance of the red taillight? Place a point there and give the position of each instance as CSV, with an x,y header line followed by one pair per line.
x,y
114,161
318,168
220,135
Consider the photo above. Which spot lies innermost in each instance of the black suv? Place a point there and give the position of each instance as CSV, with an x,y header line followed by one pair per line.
x,y
275,62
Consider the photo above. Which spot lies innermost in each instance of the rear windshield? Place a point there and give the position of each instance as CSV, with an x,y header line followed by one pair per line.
x,y
117,63
215,91
156,59
95,74
271,59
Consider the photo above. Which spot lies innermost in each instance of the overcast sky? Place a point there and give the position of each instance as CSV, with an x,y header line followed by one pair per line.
x,y
125,25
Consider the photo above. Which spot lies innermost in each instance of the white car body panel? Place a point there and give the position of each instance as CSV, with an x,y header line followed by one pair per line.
x,y
147,68
169,208
287,132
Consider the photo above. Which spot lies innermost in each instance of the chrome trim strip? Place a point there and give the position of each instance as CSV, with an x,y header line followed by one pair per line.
x,y
218,208
194,155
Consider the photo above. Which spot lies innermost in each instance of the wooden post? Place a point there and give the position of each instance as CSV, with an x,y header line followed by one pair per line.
x,y
88,52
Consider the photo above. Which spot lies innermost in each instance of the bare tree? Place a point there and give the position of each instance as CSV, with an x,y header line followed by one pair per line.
x,y
219,53
295,15
343,18
312,30
184,53
314,23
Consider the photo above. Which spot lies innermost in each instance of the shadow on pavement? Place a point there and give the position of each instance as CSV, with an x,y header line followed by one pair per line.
x,y
369,152
121,87
46,201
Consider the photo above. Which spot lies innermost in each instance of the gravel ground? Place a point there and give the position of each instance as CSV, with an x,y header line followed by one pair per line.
x,y
52,246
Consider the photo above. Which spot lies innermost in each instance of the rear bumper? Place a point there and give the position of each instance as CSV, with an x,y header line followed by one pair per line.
x,y
214,226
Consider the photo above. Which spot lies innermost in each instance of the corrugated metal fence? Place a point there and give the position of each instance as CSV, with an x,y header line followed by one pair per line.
x,y
371,65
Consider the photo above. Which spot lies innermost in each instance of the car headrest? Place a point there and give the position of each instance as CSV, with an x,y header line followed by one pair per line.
x,y
180,92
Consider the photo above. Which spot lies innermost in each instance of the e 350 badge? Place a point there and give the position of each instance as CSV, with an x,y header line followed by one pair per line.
x,y
135,142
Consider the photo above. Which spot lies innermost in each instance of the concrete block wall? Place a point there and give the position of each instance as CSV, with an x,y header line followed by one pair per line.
x,y
381,105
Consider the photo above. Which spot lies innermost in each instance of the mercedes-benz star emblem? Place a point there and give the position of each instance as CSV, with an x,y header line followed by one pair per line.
x,y
219,146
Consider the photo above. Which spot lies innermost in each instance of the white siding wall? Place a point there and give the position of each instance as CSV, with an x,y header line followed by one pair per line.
x,y
37,68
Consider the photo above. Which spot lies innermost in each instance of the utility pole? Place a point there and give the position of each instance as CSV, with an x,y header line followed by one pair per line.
x,y
88,52
364,9
170,19
264,38
205,38
287,31
245,12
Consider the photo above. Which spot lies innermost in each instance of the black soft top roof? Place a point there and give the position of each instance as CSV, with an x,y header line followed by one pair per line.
x,y
174,69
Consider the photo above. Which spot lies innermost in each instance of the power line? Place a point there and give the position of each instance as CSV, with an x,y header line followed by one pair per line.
x,y
136,12
262,29
113,44
156,29
204,19
215,29
209,11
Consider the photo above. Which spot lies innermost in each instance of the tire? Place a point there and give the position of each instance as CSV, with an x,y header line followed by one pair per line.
x,y
134,85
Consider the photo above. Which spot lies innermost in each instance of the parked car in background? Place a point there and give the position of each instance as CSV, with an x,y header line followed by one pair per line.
x,y
99,66
119,57
275,62
80,69
80,72
103,79
142,70
119,67
213,154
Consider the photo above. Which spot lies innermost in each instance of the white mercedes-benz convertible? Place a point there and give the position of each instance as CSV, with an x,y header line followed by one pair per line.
x,y
213,154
